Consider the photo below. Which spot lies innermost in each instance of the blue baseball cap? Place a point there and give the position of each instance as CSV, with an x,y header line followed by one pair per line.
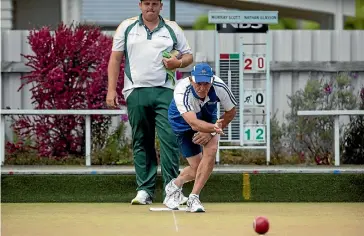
x,y
202,72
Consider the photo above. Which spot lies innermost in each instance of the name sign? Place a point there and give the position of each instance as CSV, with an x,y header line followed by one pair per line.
x,y
256,17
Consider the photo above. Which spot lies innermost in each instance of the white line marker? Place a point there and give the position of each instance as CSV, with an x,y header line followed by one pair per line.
x,y
166,209
175,221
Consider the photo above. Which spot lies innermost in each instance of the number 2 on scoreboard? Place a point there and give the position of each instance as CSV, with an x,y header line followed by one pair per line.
x,y
248,63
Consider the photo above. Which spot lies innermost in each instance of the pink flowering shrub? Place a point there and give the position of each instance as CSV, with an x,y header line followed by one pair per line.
x,y
69,71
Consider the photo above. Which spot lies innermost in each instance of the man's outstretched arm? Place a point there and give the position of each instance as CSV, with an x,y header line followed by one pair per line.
x,y
200,125
227,117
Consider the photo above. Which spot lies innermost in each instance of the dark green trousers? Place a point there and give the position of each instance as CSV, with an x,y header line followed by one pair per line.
x,y
148,112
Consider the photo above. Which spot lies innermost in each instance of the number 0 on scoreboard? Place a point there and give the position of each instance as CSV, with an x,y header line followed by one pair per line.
x,y
260,63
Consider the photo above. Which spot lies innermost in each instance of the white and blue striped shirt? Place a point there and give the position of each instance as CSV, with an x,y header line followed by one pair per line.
x,y
185,99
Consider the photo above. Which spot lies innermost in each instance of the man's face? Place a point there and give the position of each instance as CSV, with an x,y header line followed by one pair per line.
x,y
202,89
150,9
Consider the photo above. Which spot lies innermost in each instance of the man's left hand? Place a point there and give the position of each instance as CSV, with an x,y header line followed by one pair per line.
x,y
201,138
171,63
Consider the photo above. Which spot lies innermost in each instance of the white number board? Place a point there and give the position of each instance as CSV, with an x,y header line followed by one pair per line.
x,y
254,134
260,63
254,63
254,97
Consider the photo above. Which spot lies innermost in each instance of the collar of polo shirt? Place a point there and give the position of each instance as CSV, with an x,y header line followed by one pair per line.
x,y
160,25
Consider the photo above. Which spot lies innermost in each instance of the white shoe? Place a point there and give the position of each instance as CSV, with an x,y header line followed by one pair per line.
x,y
194,204
142,198
174,196
183,200
170,189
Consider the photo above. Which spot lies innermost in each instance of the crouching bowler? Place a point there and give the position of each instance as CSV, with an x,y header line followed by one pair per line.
x,y
193,117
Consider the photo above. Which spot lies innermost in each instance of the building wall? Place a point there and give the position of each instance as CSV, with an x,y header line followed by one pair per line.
x,y
29,14
6,14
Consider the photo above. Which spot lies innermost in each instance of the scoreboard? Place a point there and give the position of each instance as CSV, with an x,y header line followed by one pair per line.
x,y
247,73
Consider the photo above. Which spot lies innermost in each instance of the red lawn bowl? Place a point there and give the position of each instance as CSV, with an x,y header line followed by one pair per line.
x,y
261,225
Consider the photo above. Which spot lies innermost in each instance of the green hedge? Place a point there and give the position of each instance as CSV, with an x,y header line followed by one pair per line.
x,y
220,188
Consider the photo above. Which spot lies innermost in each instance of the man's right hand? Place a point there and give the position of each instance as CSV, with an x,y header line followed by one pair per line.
x,y
112,99
218,126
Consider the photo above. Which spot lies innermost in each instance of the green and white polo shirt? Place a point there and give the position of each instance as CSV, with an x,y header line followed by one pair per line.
x,y
143,51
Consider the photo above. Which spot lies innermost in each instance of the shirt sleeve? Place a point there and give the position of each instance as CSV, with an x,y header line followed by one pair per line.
x,y
182,100
119,37
226,97
182,43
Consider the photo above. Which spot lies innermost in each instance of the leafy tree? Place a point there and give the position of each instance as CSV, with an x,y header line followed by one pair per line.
x,y
284,23
202,23
357,22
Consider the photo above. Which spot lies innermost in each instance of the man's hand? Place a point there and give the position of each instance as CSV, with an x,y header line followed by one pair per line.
x,y
218,126
201,138
112,99
171,63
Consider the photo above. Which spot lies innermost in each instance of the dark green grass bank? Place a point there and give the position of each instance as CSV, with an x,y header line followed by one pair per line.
x,y
220,188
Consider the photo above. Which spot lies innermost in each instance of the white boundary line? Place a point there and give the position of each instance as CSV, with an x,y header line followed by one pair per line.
x,y
175,221
155,209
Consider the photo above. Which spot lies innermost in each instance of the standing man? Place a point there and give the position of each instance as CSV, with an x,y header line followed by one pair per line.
x,y
144,40
193,116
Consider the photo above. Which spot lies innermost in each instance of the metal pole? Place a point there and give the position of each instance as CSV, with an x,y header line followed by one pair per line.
x,y
268,93
2,139
339,16
241,90
88,140
337,141
217,73
230,136
65,11
172,10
